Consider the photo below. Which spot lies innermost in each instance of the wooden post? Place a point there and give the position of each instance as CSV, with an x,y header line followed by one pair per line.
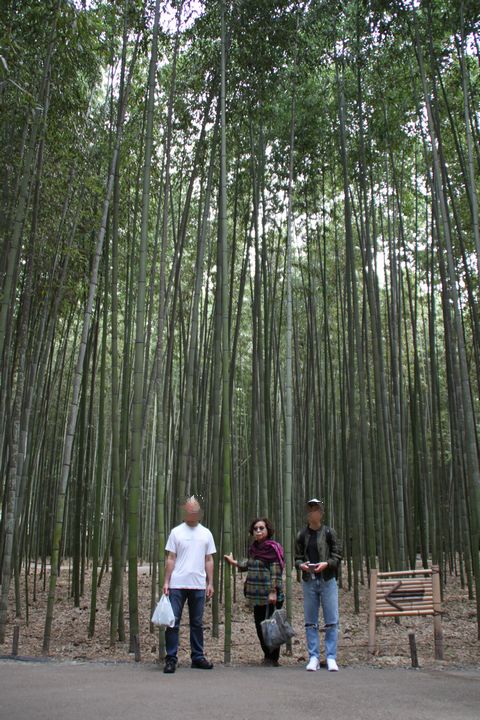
x,y
413,649
161,644
437,616
16,635
136,648
372,617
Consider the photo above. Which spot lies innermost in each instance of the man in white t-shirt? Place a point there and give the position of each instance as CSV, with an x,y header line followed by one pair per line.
x,y
188,578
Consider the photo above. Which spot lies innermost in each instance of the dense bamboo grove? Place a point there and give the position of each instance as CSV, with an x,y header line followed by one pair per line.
x,y
239,258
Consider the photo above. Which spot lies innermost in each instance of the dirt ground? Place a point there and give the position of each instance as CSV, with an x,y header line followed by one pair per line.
x,y
70,630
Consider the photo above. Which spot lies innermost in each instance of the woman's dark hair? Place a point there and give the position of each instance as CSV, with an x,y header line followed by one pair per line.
x,y
268,525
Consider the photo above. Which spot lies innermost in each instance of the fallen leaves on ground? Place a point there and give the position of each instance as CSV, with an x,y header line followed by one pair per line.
x,y
70,639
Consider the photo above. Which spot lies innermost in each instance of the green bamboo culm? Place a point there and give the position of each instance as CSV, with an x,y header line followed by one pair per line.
x,y
226,433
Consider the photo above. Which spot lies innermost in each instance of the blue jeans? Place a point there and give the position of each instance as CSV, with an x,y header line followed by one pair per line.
x,y
324,592
196,604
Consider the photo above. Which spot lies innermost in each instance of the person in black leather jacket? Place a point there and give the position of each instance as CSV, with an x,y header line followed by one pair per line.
x,y
318,555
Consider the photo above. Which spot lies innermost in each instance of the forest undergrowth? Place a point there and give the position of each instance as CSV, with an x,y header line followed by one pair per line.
x,y
70,639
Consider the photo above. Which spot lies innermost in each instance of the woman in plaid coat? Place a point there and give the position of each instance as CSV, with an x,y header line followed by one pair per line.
x,y
263,585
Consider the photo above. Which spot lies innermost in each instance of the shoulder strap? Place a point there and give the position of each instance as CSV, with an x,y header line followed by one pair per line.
x,y
328,535
303,534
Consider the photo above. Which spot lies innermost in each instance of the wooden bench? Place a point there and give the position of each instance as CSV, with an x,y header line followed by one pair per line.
x,y
406,593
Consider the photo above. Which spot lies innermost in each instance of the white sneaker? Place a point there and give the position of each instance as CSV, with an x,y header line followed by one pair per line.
x,y
313,664
332,665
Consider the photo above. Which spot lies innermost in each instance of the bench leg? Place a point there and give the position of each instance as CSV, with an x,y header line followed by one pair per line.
x,y
437,616
372,624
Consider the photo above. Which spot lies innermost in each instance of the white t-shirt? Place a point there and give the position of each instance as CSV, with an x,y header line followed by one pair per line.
x,y
190,545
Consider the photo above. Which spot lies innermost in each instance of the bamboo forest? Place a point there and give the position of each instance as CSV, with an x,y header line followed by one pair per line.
x,y
239,260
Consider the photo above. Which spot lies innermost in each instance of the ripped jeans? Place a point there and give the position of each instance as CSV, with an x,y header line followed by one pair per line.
x,y
324,592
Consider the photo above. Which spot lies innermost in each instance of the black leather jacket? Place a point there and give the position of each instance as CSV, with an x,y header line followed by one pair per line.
x,y
329,550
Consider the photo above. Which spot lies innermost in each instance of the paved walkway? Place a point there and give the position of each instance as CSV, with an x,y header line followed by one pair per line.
x,y
96,691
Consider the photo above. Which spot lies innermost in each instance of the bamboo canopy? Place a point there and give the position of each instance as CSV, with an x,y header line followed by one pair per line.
x,y
239,259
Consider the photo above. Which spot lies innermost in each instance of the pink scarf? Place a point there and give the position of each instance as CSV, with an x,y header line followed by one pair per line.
x,y
267,551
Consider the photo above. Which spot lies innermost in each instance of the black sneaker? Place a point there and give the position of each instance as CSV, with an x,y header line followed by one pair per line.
x,y
170,665
202,664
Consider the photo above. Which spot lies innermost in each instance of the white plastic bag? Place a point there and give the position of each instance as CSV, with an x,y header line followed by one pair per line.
x,y
163,613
